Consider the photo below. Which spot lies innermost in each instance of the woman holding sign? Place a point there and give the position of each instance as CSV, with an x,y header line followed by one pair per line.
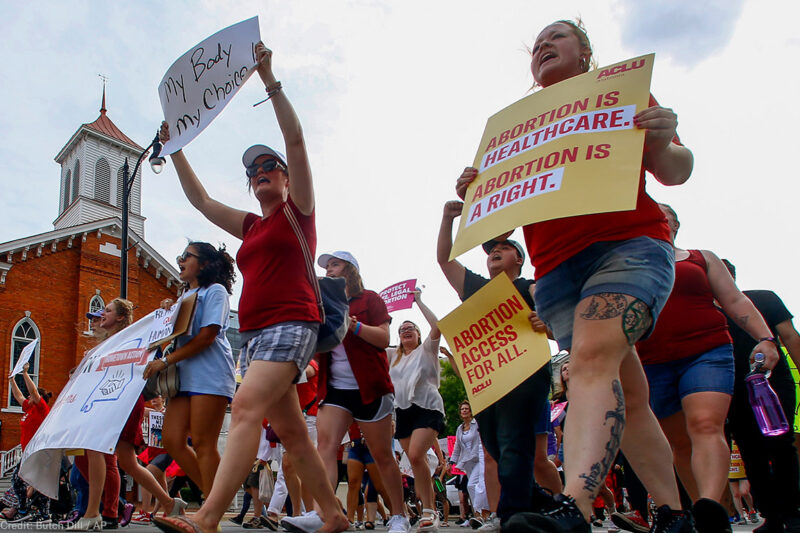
x,y
414,369
602,280
278,313
100,469
205,365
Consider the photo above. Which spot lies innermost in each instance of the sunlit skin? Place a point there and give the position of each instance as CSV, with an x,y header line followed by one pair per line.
x,y
409,336
266,185
190,267
111,321
557,55
503,257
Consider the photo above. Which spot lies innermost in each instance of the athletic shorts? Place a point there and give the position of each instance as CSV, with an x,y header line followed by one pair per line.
x,y
350,401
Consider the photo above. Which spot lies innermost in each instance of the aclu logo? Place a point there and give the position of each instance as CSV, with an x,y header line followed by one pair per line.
x,y
620,69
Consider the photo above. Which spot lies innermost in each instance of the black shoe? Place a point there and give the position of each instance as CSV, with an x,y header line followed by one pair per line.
x,y
564,518
236,520
710,517
668,521
269,523
110,523
542,500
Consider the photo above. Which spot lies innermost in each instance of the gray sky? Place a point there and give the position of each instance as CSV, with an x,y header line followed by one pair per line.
x,y
393,97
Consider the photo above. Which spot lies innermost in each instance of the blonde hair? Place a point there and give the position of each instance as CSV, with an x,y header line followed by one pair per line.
x,y
123,308
354,285
579,30
401,351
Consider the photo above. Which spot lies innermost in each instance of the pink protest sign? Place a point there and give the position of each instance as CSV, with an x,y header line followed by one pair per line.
x,y
557,410
451,443
399,296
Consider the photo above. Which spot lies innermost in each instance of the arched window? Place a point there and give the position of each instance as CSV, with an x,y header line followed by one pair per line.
x,y
76,180
24,332
95,304
120,181
102,181
67,189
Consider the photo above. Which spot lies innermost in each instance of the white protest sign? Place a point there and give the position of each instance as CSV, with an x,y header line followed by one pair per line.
x,y
93,406
163,322
24,357
199,85
399,296
156,422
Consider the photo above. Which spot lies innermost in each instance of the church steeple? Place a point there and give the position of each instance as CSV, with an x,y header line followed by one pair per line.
x,y
103,105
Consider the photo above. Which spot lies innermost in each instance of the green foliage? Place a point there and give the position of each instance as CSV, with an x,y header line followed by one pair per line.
x,y
453,393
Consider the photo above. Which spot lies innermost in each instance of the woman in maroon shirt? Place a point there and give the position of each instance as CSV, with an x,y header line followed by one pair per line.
x,y
277,312
688,361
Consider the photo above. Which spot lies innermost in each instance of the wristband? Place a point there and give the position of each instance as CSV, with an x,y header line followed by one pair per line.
x,y
272,90
357,330
773,340
166,363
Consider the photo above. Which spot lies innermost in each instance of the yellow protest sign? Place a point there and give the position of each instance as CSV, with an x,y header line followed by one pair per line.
x,y
493,343
569,149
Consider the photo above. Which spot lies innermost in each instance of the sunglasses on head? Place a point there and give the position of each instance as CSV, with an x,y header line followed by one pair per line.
x,y
268,165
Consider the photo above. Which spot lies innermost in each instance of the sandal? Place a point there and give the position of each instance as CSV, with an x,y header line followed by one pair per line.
x,y
369,524
176,524
429,521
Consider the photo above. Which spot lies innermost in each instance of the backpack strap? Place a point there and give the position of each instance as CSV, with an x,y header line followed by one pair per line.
x,y
308,258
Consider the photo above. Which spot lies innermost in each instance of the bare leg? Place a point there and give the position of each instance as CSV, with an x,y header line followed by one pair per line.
x,y
705,417
355,473
207,414
674,427
544,470
127,460
491,481
378,436
267,390
605,327
416,447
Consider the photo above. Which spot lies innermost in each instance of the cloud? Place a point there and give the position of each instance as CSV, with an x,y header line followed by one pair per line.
x,y
685,30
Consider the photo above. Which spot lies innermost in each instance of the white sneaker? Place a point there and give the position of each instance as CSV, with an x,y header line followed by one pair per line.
x,y
307,523
398,524
492,525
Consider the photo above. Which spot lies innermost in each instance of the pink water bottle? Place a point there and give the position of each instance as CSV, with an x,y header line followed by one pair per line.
x,y
767,408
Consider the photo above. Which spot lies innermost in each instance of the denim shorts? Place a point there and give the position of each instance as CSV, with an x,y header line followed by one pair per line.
x,y
643,268
283,342
670,382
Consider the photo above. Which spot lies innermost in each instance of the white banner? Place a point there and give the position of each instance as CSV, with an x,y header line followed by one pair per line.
x,y
92,408
199,85
163,322
24,357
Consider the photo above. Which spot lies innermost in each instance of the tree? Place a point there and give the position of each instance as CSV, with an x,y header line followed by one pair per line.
x,y
453,393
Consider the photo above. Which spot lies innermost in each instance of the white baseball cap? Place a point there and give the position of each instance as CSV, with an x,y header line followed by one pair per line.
x,y
342,255
257,150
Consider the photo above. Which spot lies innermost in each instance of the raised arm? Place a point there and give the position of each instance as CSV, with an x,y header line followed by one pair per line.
x,y
453,270
301,187
15,390
433,322
739,307
669,162
33,390
452,361
226,217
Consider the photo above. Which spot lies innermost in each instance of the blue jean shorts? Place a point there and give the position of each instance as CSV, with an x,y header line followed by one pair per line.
x,y
283,342
643,268
672,381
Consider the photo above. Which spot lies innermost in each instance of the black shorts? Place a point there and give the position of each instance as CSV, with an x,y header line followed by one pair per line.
x,y
161,461
461,482
350,401
416,417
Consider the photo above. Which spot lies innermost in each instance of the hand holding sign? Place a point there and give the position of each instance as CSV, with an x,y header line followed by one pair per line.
x,y
399,296
24,357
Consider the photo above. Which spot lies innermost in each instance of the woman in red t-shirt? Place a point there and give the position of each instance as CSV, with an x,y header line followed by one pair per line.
x,y
601,280
354,384
688,360
35,408
278,313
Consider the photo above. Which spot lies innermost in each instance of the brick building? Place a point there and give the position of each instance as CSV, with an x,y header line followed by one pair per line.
x,y
49,281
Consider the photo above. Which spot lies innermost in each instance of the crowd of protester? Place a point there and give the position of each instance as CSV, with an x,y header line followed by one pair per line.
x,y
634,433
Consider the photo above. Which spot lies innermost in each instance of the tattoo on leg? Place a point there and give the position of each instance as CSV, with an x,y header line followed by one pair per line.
x,y
598,471
636,320
604,306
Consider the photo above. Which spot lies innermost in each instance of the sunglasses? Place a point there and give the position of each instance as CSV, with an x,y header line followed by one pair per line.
x,y
268,166
186,255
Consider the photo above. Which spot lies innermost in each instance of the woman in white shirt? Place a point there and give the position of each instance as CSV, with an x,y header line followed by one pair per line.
x,y
415,372
468,456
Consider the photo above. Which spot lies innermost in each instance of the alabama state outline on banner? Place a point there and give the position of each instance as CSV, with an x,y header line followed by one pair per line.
x,y
569,149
